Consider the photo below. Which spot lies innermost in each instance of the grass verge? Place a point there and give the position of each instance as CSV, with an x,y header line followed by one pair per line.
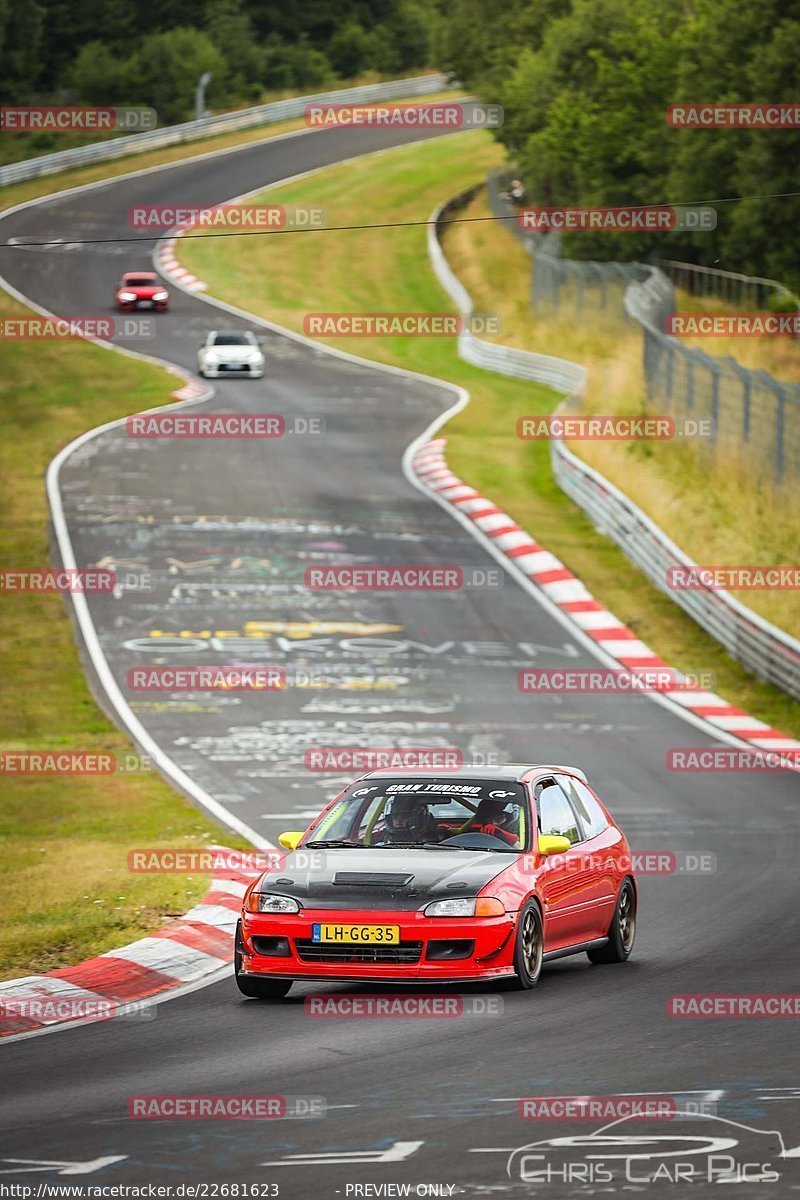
x,y
65,889
714,509
283,278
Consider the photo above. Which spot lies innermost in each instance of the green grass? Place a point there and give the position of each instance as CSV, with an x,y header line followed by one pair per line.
x,y
65,890
282,278
711,505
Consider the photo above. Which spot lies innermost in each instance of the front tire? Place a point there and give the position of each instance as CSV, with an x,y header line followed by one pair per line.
x,y
622,933
528,947
256,989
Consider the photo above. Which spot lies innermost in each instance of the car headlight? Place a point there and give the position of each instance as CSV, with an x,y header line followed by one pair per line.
x,y
211,356
269,902
127,296
466,906
159,295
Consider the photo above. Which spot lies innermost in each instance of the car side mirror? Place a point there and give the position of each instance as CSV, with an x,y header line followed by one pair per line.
x,y
289,840
551,844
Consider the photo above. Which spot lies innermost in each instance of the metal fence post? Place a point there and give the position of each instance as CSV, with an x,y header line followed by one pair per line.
x,y
780,419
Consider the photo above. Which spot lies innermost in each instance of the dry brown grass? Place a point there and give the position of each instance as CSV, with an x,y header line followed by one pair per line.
x,y
715,510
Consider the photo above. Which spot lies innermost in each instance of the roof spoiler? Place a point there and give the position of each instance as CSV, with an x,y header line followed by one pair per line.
x,y
560,767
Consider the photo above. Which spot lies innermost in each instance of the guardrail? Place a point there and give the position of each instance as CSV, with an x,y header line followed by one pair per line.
x,y
770,653
558,373
189,131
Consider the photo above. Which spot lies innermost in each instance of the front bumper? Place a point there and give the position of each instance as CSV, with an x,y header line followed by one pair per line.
x,y
142,305
231,371
431,949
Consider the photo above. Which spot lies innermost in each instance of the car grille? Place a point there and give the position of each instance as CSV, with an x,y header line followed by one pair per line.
x,y
330,952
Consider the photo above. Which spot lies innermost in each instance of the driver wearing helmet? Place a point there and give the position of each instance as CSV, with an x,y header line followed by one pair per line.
x,y
408,820
492,818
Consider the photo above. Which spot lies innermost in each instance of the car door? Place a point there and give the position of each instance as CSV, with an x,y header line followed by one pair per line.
x,y
601,849
565,880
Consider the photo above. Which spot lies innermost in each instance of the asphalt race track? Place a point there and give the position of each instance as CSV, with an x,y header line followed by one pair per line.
x,y
226,530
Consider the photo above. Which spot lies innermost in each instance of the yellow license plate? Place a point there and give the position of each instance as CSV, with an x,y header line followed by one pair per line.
x,y
384,935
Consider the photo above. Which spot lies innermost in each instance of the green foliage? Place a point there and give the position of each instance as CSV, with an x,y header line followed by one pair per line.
x,y
349,49
164,71
585,85
98,74
20,41
108,53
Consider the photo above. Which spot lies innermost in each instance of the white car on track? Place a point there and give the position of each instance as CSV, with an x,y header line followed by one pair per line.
x,y
230,352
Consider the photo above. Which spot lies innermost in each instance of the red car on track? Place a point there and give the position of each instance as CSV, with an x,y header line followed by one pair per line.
x,y
141,289
442,877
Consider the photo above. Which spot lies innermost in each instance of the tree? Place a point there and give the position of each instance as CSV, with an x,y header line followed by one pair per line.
x,y
309,68
165,69
99,77
20,41
349,50
231,31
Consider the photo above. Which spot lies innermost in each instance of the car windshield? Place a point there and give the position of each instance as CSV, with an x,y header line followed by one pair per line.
x,y
139,281
476,814
232,339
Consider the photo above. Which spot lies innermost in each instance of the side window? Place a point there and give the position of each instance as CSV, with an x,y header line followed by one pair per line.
x,y
556,817
591,814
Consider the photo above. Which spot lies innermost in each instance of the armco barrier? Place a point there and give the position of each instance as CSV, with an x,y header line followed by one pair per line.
x,y
190,131
557,373
769,652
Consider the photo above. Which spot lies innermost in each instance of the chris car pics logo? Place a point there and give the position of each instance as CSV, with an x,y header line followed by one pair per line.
x,y
692,1147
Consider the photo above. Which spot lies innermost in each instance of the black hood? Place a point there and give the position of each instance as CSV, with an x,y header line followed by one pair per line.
x,y
383,879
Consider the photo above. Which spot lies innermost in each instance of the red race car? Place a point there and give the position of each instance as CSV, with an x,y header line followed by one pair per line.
x,y
442,877
141,289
